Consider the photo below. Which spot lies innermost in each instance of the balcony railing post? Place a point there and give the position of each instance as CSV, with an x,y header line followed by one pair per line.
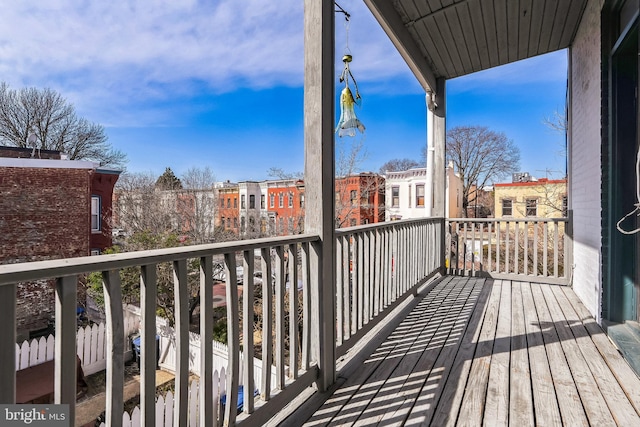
x,y
115,347
181,313
233,338
8,352
148,298
65,344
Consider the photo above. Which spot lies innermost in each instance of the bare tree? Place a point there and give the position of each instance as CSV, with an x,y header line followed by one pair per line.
x,y
480,156
395,165
358,195
196,204
557,122
349,156
153,219
139,206
280,173
55,125
550,196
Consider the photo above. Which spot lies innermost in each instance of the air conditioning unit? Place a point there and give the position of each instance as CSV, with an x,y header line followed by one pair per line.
x,y
521,177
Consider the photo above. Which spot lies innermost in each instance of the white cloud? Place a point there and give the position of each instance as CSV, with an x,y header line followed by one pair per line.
x,y
110,57
123,52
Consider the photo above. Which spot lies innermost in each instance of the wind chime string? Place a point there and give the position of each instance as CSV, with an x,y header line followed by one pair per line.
x,y
348,122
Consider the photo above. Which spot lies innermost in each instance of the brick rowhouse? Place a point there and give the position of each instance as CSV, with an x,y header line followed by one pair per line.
x,y
45,213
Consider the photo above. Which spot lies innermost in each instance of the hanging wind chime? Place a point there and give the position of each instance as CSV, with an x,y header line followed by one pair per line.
x,y
348,122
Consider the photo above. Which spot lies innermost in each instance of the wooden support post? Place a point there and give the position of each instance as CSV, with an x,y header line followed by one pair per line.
x,y
319,143
435,191
439,144
65,369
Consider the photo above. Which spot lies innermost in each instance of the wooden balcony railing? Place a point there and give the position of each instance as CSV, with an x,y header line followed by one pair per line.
x,y
514,249
377,267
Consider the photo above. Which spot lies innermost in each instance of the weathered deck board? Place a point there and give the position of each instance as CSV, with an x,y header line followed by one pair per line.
x,y
520,398
476,352
545,401
621,409
597,411
438,350
569,402
424,408
344,404
496,405
619,367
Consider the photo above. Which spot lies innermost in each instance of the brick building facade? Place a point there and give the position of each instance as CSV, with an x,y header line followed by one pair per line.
x,y
360,199
285,206
228,217
50,209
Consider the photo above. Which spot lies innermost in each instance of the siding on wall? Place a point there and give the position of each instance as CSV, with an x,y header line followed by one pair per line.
x,y
585,159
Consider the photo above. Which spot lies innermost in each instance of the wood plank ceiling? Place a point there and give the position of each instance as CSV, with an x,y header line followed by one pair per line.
x,y
452,38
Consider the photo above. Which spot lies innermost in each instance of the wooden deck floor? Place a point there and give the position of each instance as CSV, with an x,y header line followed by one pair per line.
x,y
476,351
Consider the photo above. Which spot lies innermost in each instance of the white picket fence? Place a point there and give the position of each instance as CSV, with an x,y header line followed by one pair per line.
x,y
220,356
165,405
91,343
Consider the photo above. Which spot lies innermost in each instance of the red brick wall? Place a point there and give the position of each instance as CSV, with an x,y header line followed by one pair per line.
x,y
366,210
290,217
44,214
102,186
231,214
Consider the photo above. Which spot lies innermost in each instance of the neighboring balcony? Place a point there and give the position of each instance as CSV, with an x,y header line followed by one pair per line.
x,y
411,343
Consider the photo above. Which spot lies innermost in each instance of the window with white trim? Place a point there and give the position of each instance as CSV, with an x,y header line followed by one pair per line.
x,y
95,213
395,197
420,195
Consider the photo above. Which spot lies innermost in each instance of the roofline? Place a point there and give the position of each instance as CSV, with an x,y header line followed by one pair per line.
x,y
11,162
531,183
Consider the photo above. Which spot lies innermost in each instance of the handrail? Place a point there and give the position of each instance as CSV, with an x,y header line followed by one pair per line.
x,y
402,222
41,270
509,219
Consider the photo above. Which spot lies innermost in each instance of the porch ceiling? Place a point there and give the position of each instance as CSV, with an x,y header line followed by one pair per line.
x,y
452,38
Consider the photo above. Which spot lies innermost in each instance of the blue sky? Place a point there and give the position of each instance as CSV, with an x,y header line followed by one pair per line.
x,y
188,83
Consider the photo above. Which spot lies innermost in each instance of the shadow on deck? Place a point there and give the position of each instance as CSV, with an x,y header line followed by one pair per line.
x,y
470,351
